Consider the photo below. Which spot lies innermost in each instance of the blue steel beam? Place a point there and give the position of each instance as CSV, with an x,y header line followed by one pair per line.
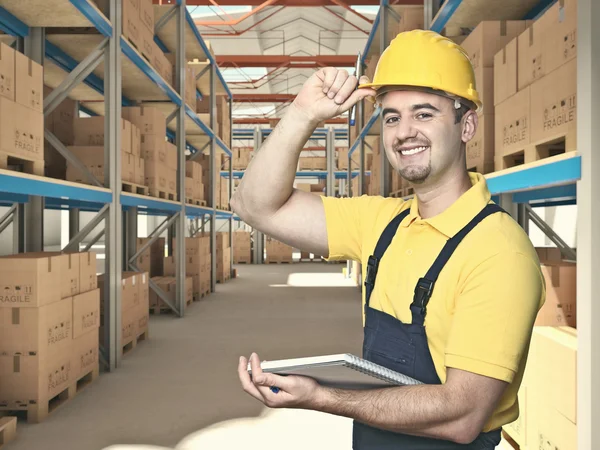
x,y
561,172
555,193
149,203
365,130
97,19
13,25
444,14
47,188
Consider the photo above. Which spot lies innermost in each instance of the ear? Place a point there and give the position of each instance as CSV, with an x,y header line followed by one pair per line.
x,y
470,123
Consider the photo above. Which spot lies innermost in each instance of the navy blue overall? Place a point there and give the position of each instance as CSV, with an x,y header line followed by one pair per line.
x,y
403,346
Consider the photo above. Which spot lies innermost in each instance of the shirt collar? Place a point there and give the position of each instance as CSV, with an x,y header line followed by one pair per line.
x,y
459,214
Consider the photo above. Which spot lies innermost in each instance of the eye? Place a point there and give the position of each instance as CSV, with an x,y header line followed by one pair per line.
x,y
391,120
424,116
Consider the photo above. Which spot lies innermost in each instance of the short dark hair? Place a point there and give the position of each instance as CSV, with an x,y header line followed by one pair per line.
x,y
460,112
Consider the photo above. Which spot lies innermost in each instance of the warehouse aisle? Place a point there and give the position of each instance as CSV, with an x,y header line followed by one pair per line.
x,y
184,378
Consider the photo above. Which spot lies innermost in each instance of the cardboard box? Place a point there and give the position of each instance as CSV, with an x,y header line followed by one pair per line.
x,y
484,79
513,124
86,313
30,279
88,280
69,273
130,294
480,149
561,296
136,141
505,72
411,18
139,173
85,354
153,148
171,176
151,260
147,44
488,38
156,176
129,318
193,170
149,120
171,155
89,131
29,379
189,187
21,131
169,286
143,288
554,105
60,121
532,63
162,65
190,86
7,72
132,23
560,43
45,331
198,190
29,83
147,15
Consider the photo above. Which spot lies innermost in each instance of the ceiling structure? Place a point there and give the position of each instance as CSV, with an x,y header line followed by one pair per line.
x,y
267,49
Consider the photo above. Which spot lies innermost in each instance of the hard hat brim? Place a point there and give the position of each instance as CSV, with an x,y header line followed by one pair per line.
x,y
429,89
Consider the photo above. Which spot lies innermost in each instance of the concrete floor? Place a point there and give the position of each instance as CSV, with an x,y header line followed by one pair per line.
x,y
180,388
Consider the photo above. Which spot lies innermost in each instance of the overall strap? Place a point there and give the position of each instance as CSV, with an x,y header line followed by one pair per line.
x,y
382,244
424,287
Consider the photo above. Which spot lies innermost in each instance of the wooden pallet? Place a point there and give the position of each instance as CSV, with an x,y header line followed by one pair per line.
x,y
226,277
18,163
242,262
157,193
37,412
536,151
141,336
8,430
397,194
134,188
273,261
200,295
200,202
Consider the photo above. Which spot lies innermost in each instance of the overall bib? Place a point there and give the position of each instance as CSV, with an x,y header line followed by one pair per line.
x,y
403,347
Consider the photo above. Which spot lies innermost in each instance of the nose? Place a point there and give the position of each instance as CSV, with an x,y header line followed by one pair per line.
x,y
405,130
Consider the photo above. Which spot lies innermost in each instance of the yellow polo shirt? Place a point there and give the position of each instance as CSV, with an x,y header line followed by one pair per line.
x,y
485,301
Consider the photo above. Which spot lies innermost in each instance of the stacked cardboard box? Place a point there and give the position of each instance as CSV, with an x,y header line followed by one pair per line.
x,y
88,147
138,28
50,313
242,247
193,172
312,163
160,157
342,159
242,157
224,119
547,396
536,87
197,264
223,258
482,45
278,252
151,260
60,123
21,117
374,181
168,285
220,183
135,301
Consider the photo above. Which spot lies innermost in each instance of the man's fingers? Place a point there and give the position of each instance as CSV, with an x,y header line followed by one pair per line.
x,y
340,79
330,74
357,96
246,381
346,90
364,80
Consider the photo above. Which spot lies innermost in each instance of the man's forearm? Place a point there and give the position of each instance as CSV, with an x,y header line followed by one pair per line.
x,y
424,410
268,182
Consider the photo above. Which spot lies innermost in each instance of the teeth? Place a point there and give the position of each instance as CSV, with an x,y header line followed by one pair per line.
x,y
413,151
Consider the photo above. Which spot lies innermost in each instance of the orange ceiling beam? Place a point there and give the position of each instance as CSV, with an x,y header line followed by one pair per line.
x,y
263,98
286,60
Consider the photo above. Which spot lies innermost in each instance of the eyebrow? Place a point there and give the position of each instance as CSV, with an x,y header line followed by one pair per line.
x,y
413,108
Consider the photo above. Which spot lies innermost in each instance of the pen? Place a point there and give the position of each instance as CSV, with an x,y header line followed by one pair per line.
x,y
357,74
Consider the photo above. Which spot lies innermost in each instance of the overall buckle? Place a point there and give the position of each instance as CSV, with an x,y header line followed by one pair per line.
x,y
372,267
423,291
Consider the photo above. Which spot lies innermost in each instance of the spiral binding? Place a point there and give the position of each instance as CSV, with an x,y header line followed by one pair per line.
x,y
380,372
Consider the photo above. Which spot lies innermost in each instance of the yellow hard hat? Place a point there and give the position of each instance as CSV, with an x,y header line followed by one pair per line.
x,y
423,58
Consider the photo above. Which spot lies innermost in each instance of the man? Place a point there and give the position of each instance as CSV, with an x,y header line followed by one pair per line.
x,y
452,283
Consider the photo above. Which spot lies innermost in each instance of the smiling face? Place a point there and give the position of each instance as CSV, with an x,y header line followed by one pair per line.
x,y
422,137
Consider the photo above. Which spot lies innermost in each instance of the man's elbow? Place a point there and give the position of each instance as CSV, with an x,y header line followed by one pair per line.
x,y
465,431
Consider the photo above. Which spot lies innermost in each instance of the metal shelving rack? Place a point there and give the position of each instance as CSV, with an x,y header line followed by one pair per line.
x,y
112,74
567,179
